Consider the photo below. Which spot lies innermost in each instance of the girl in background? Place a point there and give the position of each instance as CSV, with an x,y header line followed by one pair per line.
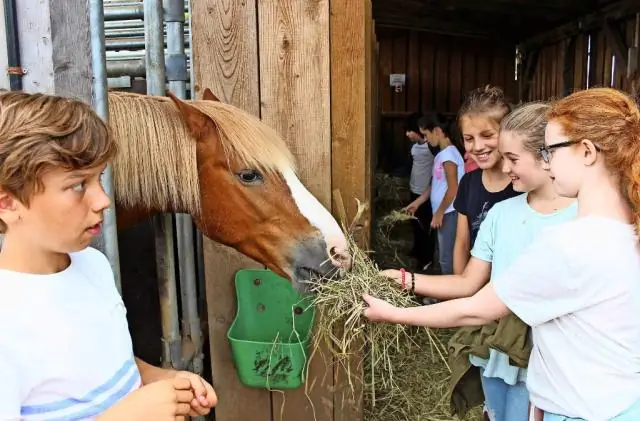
x,y
424,239
510,226
448,169
479,121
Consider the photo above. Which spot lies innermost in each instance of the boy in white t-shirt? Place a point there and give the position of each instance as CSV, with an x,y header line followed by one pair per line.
x,y
65,349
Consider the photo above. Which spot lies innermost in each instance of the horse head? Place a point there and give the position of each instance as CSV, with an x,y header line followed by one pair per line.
x,y
251,198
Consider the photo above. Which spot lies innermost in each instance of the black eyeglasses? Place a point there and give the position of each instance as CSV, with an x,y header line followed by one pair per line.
x,y
545,151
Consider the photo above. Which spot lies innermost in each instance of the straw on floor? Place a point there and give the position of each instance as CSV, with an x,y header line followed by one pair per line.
x,y
402,370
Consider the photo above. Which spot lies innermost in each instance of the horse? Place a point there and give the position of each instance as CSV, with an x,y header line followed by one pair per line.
x,y
231,172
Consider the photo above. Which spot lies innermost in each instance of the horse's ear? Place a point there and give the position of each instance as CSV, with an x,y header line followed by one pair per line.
x,y
207,95
196,120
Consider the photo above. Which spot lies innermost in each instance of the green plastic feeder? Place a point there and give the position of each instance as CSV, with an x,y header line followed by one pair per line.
x,y
270,336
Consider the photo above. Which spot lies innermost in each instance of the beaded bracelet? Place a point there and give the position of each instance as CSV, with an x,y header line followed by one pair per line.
x,y
402,274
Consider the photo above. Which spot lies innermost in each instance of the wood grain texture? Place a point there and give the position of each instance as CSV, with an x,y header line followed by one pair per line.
x,y
225,60
294,95
55,47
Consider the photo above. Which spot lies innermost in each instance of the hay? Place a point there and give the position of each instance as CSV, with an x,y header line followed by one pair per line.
x,y
401,370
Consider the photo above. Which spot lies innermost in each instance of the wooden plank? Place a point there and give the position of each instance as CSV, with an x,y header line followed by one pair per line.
x,y
295,100
629,26
608,62
483,68
351,51
510,84
427,71
542,87
55,47
225,59
386,65
616,40
469,67
580,63
600,54
443,53
455,78
568,62
400,45
413,72
497,68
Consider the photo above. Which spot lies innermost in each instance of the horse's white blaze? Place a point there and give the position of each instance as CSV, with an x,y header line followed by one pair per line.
x,y
317,214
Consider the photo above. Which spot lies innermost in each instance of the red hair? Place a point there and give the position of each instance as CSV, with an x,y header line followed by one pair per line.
x,y
611,120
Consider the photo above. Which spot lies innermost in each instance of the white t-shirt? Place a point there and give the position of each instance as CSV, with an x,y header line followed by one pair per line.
x,y
65,348
422,168
578,287
439,181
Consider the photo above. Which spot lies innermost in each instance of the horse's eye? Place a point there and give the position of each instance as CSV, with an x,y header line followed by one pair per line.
x,y
249,176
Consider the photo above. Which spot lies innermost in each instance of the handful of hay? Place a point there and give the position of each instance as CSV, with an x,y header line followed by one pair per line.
x,y
401,369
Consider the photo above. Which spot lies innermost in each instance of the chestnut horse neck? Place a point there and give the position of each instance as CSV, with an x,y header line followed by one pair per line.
x,y
156,167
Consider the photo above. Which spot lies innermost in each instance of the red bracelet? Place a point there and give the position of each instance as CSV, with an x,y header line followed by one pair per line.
x,y
403,274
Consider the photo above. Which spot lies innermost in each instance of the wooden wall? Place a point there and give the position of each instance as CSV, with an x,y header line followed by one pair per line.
x,y
439,70
304,67
589,59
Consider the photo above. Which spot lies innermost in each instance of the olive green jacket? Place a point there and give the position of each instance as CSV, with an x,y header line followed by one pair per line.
x,y
510,335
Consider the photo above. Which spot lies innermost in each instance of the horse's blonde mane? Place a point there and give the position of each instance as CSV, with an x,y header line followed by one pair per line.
x,y
156,165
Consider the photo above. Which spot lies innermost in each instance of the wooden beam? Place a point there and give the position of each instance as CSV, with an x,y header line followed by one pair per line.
x,y
438,27
617,42
55,47
225,59
569,62
351,50
615,11
531,62
295,100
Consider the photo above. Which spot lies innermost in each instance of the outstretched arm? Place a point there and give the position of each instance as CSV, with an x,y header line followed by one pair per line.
x,y
447,287
479,309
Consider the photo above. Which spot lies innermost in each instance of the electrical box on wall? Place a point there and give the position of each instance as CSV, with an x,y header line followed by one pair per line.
x,y
397,81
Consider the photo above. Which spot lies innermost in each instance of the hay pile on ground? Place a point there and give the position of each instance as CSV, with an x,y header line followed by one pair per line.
x,y
402,370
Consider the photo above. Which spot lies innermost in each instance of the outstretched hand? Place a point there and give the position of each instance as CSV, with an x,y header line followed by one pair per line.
x,y
378,310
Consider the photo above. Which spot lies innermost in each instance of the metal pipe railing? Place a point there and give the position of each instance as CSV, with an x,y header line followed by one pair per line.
x,y
163,224
177,76
124,12
101,104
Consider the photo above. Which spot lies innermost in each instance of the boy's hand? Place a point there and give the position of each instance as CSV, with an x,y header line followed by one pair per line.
x,y
164,400
204,397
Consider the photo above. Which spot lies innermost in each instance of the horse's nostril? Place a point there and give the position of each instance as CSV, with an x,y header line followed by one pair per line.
x,y
340,257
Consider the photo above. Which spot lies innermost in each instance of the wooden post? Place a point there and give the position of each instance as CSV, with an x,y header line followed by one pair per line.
x,y
55,47
225,59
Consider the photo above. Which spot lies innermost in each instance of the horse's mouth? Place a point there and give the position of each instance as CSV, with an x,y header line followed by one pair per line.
x,y
307,275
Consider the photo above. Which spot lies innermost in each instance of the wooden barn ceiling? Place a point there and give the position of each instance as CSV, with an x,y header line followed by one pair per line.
x,y
515,20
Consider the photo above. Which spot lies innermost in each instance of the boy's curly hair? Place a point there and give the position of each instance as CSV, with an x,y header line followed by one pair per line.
x,y
39,132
